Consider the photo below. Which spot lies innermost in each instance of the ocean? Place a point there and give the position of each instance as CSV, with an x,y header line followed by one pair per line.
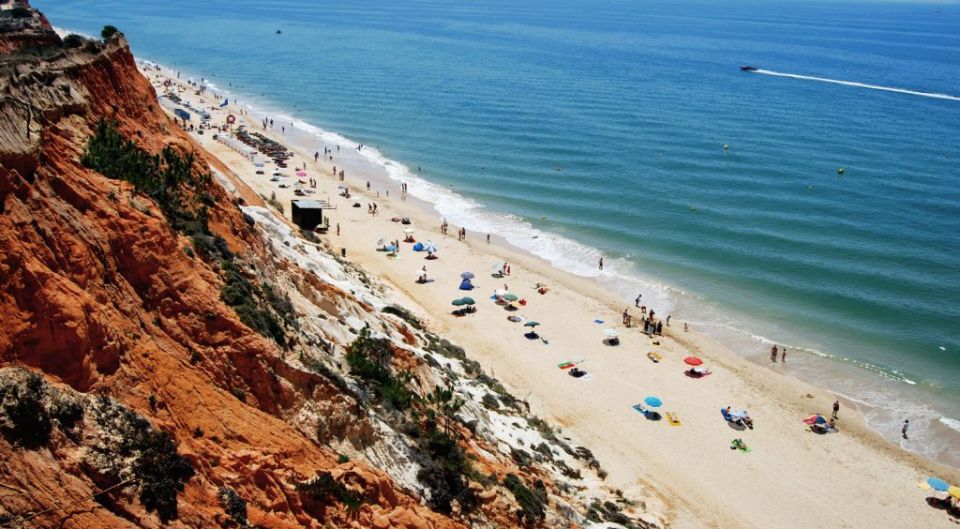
x,y
625,129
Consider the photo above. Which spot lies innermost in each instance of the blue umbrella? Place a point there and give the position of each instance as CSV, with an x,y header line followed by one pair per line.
x,y
430,248
653,402
467,275
938,484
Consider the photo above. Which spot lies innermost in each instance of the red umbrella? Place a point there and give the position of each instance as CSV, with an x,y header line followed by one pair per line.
x,y
693,361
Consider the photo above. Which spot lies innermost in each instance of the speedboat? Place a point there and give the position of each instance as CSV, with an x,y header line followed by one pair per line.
x,y
748,68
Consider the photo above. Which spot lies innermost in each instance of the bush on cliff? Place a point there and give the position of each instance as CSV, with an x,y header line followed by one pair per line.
x,y
324,489
73,41
108,31
369,359
531,502
162,473
27,422
235,507
182,193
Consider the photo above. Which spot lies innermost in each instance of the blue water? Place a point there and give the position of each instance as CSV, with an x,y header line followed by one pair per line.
x,y
599,127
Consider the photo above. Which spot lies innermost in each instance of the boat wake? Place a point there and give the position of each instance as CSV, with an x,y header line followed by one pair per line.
x,y
933,95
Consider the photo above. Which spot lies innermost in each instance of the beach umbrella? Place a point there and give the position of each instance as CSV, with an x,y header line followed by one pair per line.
x,y
391,248
531,324
510,297
468,301
739,414
408,231
653,402
815,419
612,333
500,293
430,247
938,484
693,361
467,275
954,491
301,173
458,302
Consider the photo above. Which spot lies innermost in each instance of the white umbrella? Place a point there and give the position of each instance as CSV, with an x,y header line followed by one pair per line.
x,y
408,231
611,332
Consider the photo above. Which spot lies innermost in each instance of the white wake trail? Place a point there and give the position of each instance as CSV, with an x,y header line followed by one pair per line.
x,y
861,85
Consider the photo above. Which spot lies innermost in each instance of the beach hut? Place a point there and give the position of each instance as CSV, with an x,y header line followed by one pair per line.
x,y
308,214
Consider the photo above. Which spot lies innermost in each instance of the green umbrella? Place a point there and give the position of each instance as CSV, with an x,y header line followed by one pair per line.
x,y
531,324
458,302
510,297
468,301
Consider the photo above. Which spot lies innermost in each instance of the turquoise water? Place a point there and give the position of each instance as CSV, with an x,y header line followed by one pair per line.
x,y
593,128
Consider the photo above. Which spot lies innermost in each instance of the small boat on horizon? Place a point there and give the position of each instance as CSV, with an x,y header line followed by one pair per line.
x,y
748,68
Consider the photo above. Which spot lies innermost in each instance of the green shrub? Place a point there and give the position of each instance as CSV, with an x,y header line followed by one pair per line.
x,y
234,506
369,359
108,31
531,503
73,41
67,413
324,488
162,473
28,423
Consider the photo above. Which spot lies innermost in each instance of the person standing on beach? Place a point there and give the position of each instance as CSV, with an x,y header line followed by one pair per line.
x,y
636,302
783,355
906,424
836,409
316,157
773,354
488,238
668,320
601,263
338,229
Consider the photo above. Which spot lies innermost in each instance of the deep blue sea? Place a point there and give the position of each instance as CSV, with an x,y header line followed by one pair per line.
x,y
580,128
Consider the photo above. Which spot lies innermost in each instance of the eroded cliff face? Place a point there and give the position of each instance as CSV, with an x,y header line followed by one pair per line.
x,y
123,315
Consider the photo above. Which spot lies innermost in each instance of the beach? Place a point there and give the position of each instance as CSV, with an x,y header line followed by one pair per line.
x,y
790,478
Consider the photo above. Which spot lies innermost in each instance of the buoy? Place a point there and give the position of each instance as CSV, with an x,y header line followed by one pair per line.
x,y
726,146
840,170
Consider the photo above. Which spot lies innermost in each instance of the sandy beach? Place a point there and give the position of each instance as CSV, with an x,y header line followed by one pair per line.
x,y
790,478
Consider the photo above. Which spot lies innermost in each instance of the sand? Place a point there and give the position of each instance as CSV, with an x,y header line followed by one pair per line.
x,y
791,478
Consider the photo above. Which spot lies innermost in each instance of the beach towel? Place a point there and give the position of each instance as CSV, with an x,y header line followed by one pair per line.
x,y
600,322
565,365
673,419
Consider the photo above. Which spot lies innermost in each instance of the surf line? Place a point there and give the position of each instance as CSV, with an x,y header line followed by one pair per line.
x,y
860,85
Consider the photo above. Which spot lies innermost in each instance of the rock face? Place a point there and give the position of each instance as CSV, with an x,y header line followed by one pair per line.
x,y
120,315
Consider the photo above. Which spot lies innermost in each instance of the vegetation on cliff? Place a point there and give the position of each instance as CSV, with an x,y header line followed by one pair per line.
x,y
182,193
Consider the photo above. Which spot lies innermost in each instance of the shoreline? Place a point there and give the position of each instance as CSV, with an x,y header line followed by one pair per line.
x,y
849,378
779,399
